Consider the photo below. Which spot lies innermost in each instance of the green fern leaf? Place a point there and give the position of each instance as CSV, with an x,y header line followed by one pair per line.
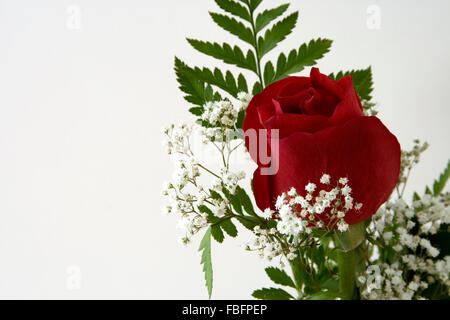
x,y
362,81
267,16
235,9
205,246
234,27
306,55
276,34
226,53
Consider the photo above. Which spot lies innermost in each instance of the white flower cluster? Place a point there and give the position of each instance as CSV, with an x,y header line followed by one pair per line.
x,y
414,264
177,138
245,99
322,209
220,113
268,246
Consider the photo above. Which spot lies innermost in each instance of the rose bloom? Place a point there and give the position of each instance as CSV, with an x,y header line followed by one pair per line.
x,y
322,129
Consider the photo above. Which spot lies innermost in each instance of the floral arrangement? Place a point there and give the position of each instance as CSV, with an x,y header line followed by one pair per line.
x,y
329,179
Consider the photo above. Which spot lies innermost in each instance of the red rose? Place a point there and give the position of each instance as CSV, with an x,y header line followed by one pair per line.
x,y
322,129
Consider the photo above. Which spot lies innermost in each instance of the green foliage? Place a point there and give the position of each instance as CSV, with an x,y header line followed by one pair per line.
x,y
439,184
280,277
362,81
245,201
241,21
234,27
267,16
271,294
235,9
306,55
276,34
216,78
229,227
197,92
226,53
217,233
205,247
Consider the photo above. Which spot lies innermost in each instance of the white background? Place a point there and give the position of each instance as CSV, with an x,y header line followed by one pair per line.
x,y
81,163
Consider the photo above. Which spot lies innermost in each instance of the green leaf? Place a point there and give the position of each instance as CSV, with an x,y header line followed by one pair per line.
x,y
194,89
271,294
205,246
277,34
306,55
245,200
226,53
269,72
439,185
328,295
253,4
229,227
362,81
234,8
242,84
247,223
217,233
216,78
279,277
257,88
215,195
234,27
240,119
267,16
198,111
211,217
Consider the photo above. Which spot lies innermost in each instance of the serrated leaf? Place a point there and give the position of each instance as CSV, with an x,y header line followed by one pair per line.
x,y
205,246
257,88
234,8
226,53
211,217
306,55
197,111
245,201
240,119
229,227
269,72
267,16
214,78
362,81
271,294
215,195
279,277
253,4
217,233
196,91
276,34
234,27
247,223
242,84
439,185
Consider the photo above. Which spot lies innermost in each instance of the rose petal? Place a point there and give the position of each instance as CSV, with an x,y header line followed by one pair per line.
x,y
362,149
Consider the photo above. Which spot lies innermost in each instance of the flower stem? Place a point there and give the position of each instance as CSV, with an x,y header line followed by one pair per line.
x,y
346,264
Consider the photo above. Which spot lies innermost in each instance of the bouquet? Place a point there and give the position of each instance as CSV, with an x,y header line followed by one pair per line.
x,y
325,201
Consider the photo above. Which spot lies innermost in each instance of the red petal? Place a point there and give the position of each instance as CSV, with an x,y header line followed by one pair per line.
x,y
362,149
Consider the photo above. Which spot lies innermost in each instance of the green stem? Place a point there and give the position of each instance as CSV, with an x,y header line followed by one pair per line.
x,y
258,58
346,264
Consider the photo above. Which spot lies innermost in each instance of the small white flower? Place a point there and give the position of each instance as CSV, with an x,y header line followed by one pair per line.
x,y
310,187
325,179
343,181
267,214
